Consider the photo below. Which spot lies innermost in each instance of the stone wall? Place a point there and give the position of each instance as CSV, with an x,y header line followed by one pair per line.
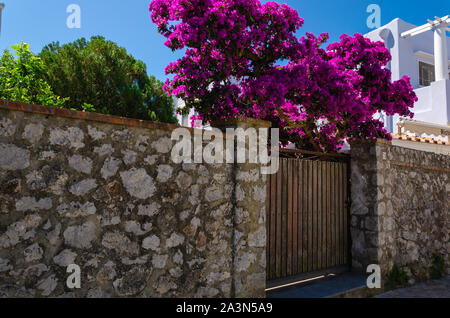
x,y
400,208
102,192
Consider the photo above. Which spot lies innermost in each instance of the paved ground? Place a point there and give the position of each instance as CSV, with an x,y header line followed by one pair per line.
x,y
431,289
350,281
322,288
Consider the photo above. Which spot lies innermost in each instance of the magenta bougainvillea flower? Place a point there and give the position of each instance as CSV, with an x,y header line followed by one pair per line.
x,y
243,59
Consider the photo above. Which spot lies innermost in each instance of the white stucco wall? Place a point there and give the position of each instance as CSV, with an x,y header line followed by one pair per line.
x,y
185,120
434,101
405,56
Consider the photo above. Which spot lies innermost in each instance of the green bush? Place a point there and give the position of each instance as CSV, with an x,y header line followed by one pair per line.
x,y
22,78
437,269
398,276
95,76
104,75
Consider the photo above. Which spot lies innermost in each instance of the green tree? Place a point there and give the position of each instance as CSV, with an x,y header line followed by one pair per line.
x,y
22,78
104,75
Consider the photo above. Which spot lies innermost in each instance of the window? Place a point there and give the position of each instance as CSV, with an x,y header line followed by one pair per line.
x,y
426,74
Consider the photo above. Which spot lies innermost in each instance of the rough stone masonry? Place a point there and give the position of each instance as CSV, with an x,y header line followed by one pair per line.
x,y
400,208
108,198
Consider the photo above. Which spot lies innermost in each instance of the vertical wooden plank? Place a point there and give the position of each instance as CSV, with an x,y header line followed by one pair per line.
x,y
268,207
310,217
328,212
273,224
319,214
332,213
346,209
314,215
289,218
324,214
295,216
303,219
338,215
342,211
268,226
305,215
284,220
299,217
278,219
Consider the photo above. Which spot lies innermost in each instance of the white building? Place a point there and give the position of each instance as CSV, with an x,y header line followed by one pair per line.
x,y
422,53
185,120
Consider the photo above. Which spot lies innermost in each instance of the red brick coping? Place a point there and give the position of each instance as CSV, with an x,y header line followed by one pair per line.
x,y
75,114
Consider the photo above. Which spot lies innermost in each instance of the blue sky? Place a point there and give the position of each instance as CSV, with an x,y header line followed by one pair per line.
x,y
128,22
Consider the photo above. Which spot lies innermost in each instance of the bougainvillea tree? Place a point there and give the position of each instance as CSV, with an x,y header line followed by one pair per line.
x,y
243,58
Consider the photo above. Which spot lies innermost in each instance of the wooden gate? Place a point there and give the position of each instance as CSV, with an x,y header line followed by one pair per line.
x,y
307,216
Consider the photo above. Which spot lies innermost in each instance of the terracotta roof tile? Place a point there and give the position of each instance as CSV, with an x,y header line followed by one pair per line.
x,y
429,140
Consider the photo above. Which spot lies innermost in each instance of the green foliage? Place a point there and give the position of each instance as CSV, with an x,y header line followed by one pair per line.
x,y
437,269
100,75
398,276
22,78
87,108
